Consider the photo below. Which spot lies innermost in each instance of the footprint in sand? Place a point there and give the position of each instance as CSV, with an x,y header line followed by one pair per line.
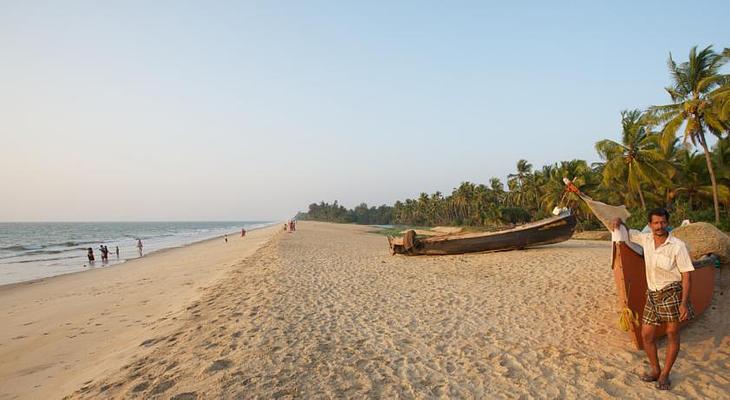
x,y
148,342
171,366
185,396
219,365
162,386
142,386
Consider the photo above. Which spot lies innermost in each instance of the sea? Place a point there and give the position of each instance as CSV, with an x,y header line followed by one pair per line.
x,y
33,250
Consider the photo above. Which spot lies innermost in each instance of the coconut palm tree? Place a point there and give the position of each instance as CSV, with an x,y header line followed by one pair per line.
x,y
721,155
670,152
720,97
523,191
637,159
695,103
692,178
553,188
461,199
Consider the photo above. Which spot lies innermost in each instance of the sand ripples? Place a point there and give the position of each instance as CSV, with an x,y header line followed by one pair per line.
x,y
326,312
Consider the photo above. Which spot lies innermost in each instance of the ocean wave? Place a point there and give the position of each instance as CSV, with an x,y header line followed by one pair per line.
x,y
38,260
67,244
18,247
38,252
37,247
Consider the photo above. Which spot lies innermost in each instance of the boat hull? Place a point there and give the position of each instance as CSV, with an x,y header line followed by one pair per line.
x,y
630,275
548,231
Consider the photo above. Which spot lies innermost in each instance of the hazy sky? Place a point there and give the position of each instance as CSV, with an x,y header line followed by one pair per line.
x,y
171,110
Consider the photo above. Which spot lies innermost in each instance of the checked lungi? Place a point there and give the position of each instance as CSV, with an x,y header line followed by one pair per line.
x,y
663,305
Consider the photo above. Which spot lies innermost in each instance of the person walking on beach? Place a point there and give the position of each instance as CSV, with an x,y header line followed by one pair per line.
x,y
225,237
139,246
90,255
668,267
243,232
117,250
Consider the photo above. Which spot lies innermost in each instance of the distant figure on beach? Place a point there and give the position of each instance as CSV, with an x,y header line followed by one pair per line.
x,y
90,254
104,253
117,250
668,268
225,237
285,227
139,246
243,232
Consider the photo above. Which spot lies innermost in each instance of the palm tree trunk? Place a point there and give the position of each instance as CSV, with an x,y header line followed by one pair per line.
x,y
641,197
712,177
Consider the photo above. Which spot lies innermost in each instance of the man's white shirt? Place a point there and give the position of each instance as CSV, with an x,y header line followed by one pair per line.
x,y
664,264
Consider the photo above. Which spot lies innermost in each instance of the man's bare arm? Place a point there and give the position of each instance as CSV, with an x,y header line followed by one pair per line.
x,y
686,287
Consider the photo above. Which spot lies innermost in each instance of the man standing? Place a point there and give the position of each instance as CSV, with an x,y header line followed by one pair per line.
x,y
668,268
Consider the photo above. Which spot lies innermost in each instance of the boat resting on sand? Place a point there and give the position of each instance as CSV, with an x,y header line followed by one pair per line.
x,y
630,276
629,272
547,231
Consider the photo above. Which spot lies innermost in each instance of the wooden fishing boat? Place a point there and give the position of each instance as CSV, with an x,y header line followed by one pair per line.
x,y
630,275
547,231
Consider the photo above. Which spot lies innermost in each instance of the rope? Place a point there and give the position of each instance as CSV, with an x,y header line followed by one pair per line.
x,y
626,318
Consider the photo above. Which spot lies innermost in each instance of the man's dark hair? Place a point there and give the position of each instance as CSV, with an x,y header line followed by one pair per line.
x,y
659,212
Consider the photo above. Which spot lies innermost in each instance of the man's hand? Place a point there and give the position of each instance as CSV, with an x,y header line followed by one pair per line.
x,y
615,223
683,312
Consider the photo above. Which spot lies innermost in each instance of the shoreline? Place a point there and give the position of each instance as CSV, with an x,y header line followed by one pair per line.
x,y
61,331
127,261
327,312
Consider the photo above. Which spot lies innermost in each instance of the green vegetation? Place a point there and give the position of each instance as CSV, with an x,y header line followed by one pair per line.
x,y
382,215
647,167
699,103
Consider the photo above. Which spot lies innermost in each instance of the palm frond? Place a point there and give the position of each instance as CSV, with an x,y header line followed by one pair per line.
x,y
672,126
709,82
607,149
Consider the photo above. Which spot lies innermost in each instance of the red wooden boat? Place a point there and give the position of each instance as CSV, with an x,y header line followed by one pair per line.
x,y
629,273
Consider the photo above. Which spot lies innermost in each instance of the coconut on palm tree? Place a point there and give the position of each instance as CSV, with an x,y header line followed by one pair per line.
x,y
697,93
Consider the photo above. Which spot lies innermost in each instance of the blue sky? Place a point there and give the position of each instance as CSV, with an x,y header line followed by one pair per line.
x,y
252,110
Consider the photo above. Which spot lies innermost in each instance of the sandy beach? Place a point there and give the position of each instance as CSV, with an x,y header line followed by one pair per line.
x,y
60,332
327,312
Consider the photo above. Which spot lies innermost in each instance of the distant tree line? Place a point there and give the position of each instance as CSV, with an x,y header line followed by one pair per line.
x,y
648,166
361,214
